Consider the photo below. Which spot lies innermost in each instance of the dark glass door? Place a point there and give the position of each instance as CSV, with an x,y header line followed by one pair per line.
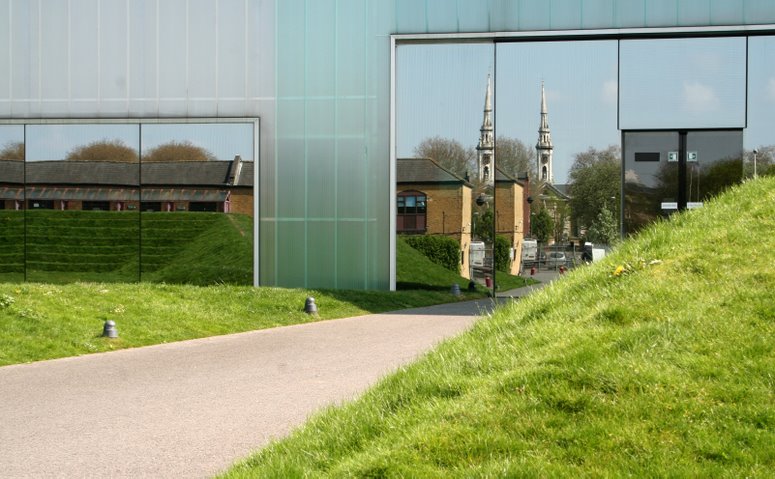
x,y
668,171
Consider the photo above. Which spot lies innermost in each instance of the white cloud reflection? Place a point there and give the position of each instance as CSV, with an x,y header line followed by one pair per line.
x,y
699,97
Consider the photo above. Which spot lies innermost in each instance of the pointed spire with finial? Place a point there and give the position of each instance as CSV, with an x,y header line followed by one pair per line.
x,y
486,147
544,146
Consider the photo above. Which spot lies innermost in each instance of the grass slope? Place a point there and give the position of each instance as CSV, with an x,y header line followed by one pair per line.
x,y
415,271
44,321
656,362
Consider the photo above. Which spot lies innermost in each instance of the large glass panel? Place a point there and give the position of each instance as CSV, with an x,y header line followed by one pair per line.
x,y
556,121
714,162
445,143
760,134
650,177
682,83
81,196
197,202
667,171
11,203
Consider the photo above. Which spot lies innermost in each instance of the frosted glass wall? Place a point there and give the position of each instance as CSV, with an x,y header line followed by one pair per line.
x,y
317,73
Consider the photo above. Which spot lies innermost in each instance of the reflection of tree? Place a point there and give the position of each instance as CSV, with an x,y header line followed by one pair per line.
x,y
104,151
594,180
12,151
542,225
174,151
448,153
514,158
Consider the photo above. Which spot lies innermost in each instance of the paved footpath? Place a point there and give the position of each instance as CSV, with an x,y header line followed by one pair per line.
x,y
190,409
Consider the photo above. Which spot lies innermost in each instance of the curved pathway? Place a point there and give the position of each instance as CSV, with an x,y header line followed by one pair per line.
x,y
191,409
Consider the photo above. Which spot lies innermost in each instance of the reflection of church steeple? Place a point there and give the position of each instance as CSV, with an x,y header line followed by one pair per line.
x,y
544,146
486,148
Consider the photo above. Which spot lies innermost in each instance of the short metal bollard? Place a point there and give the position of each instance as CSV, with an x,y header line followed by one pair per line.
x,y
109,329
455,290
310,307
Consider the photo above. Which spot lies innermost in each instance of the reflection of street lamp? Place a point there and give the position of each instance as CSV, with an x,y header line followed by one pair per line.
x,y
755,152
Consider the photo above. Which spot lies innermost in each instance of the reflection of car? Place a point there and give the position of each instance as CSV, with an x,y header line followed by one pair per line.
x,y
556,258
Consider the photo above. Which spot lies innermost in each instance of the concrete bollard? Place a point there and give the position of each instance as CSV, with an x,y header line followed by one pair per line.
x,y
109,329
310,307
455,290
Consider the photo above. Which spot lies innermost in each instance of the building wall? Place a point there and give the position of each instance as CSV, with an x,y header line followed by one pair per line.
x,y
448,213
317,73
242,202
509,214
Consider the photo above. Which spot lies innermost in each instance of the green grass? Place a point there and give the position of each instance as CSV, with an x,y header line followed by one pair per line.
x,y
656,362
415,271
51,320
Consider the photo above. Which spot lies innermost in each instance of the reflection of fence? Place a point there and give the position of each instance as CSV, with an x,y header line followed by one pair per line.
x,y
556,256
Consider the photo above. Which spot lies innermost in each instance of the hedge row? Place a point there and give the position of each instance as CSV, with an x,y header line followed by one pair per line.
x,y
442,250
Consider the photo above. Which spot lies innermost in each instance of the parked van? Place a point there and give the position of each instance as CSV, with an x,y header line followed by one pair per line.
x,y
529,252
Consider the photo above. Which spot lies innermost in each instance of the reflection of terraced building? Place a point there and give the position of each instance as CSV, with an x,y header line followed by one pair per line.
x,y
216,186
432,200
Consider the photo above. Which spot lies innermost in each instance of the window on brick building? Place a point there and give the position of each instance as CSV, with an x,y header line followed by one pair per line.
x,y
410,216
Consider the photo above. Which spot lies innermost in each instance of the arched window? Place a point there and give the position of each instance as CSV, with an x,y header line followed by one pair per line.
x,y
410,217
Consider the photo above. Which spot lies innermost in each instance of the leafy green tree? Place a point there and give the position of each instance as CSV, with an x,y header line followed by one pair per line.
x,y
605,229
542,225
104,150
448,153
514,157
595,181
484,225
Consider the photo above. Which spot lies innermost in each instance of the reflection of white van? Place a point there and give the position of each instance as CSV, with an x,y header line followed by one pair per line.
x,y
477,254
529,251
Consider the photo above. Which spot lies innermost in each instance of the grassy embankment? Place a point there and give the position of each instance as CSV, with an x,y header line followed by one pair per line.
x,y
44,320
657,362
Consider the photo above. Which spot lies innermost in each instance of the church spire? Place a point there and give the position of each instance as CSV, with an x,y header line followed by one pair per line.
x,y
486,147
544,146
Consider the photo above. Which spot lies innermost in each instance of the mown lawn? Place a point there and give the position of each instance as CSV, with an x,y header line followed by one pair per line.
x,y
45,321
656,362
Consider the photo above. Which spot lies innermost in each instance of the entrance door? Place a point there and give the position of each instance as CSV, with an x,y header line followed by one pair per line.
x,y
668,171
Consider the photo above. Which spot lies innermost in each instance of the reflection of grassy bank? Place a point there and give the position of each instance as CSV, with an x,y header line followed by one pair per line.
x,y
106,246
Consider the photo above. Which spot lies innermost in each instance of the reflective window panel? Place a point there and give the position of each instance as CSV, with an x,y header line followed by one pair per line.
x,y
81,200
760,133
682,83
446,161
197,203
11,203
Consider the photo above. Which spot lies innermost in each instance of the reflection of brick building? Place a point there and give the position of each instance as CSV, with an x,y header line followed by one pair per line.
x,y
222,186
432,200
511,213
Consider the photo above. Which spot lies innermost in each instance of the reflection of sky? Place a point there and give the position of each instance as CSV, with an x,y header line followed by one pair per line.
x,y
686,82
54,142
440,91
683,83
10,134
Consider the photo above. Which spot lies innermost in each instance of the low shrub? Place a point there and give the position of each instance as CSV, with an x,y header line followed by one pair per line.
x,y
442,250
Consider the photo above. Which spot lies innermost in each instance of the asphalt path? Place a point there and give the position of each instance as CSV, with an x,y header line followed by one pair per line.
x,y
190,409
193,408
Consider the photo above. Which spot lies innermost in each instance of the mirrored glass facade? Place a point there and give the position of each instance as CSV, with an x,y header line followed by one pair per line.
x,y
119,201
317,73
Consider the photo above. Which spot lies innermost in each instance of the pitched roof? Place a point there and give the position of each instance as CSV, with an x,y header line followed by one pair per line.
x,y
184,173
425,170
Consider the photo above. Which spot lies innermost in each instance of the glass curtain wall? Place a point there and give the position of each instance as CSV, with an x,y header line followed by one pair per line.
x,y
446,161
759,135
556,113
122,202
11,203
